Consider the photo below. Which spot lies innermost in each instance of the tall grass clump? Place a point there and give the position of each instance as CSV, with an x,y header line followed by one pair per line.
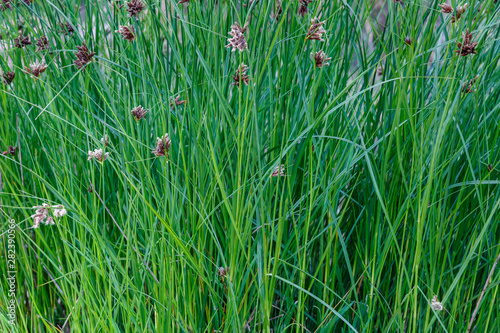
x,y
245,165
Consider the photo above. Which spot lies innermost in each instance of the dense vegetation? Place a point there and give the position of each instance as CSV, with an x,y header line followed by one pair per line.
x,y
293,193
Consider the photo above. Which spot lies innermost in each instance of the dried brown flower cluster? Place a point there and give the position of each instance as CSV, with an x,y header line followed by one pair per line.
x,y
458,13
183,1
279,171
135,7
241,74
42,214
445,8
98,155
278,9
22,41
408,41
468,86
162,145
223,272
380,70
320,59
237,41
177,101
139,112
303,10
67,28
10,150
400,2
42,44
466,47
316,30
84,56
36,69
8,77
105,140
127,32
5,4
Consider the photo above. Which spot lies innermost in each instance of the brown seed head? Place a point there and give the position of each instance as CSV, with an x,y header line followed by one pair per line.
x,y
36,68
162,145
458,13
42,44
237,40
127,32
5,4
445,8
139,112
84,56
177,101
467,88
316,30
10,150
380,70
8,77
303,10
98,155
241,74
22,41
183,1
320,59
279,171
408,41
135,7
278,10
67,28
466,47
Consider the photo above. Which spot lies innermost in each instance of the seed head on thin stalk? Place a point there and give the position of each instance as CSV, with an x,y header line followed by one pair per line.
x,y
139,112
36,69
42,214
10,150
162,146
303,10
67,28
22,41
467,88
408,41
436,305
320,59
8,77
127,32
467,46
177,101
135,7
42,44
105,140
316,30
84,56
458,12
183,1
445,8
380,70
278,10
279,171
5,4
237,40
241,74
98,155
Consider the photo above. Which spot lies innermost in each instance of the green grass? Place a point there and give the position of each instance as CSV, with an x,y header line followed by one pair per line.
x,y
391,193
